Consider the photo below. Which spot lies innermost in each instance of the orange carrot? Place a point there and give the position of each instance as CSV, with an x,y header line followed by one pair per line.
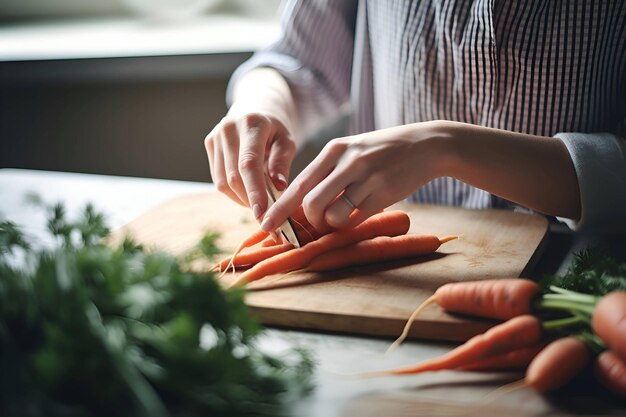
x,y
608,321
269,241
510,361
379,249
610,369
557,364
499,299
390,223
306,231
252,257
517,333
251,240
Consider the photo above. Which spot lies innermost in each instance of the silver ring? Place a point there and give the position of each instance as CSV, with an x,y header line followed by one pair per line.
x,y
348,202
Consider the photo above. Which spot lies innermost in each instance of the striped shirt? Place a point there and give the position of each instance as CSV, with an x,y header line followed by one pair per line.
x,y
549,68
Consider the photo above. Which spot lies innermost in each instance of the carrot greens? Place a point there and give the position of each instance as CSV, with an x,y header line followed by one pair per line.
x,y
87,329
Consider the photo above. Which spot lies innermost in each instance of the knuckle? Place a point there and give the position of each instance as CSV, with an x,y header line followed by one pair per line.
x,y
248,161
233,179
357,163
311,205
208,141
335,146
254,120
378,181
221,185
229,127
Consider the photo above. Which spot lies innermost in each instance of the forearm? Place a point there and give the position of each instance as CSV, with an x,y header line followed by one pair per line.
x,y
264,90
533,171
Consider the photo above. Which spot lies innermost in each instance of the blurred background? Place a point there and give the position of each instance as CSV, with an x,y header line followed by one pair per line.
x,y
122,87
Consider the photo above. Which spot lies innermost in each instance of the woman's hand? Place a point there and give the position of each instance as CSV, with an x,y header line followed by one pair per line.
x,y
241,149
254,138
379,168
372,170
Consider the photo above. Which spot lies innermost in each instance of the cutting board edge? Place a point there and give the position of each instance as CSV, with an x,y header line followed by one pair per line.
x,y
539,250
372,326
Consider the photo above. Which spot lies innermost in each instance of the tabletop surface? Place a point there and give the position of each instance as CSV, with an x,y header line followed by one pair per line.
x,y
122,199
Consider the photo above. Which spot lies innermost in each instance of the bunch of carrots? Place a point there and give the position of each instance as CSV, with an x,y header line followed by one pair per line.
x,y
382,237
552,351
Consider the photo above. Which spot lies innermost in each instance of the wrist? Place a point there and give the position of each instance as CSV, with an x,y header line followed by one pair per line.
x,y
264,91
444,141
244,108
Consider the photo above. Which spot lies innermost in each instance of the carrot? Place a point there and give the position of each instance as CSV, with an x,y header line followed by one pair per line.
x,y
270,242
557,364
610,369
390,223
306,231
517,333
252,257
499,299
379,249
251,240
514,360
609,321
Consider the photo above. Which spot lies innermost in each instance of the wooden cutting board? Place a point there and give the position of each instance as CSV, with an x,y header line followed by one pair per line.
x,y
377,299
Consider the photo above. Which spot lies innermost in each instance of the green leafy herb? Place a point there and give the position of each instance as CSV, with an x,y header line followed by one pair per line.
x,y
86,329
567,301
593,271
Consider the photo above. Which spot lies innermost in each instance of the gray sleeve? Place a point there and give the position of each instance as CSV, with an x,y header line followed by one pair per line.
x,y
600,163
314,55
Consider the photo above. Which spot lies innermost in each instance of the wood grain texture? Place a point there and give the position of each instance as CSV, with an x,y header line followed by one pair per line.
x,y
375,299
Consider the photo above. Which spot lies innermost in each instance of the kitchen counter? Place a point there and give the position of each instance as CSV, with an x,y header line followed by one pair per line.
x,y
432,394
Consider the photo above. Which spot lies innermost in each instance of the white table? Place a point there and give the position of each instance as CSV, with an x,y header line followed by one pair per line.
x,y
433,394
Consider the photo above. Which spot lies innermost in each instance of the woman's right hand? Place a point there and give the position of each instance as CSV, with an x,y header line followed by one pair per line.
x,y
242,148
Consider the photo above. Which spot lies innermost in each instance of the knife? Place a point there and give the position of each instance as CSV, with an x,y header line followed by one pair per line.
x,y
286,229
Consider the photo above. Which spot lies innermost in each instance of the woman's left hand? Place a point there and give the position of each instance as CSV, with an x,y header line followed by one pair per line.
x,y
372,170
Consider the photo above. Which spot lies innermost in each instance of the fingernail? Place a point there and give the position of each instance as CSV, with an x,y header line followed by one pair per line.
x,y
257,211
282,180
267,225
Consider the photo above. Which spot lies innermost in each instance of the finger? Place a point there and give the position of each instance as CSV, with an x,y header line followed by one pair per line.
x,y
208,147
255,132
310,176
230,144
610,369
609,322
338,212
219,174
367,208
344,172
280,158
316,202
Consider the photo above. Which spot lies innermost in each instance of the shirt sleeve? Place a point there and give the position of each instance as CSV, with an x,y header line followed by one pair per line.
x,y
600,163
314,54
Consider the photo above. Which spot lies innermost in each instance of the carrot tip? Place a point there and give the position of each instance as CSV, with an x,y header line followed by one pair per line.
x,y
366,375
505,389
449,238
240,282
409,322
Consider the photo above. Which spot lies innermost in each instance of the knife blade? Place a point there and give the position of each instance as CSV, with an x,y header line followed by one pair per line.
x,y
286,229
